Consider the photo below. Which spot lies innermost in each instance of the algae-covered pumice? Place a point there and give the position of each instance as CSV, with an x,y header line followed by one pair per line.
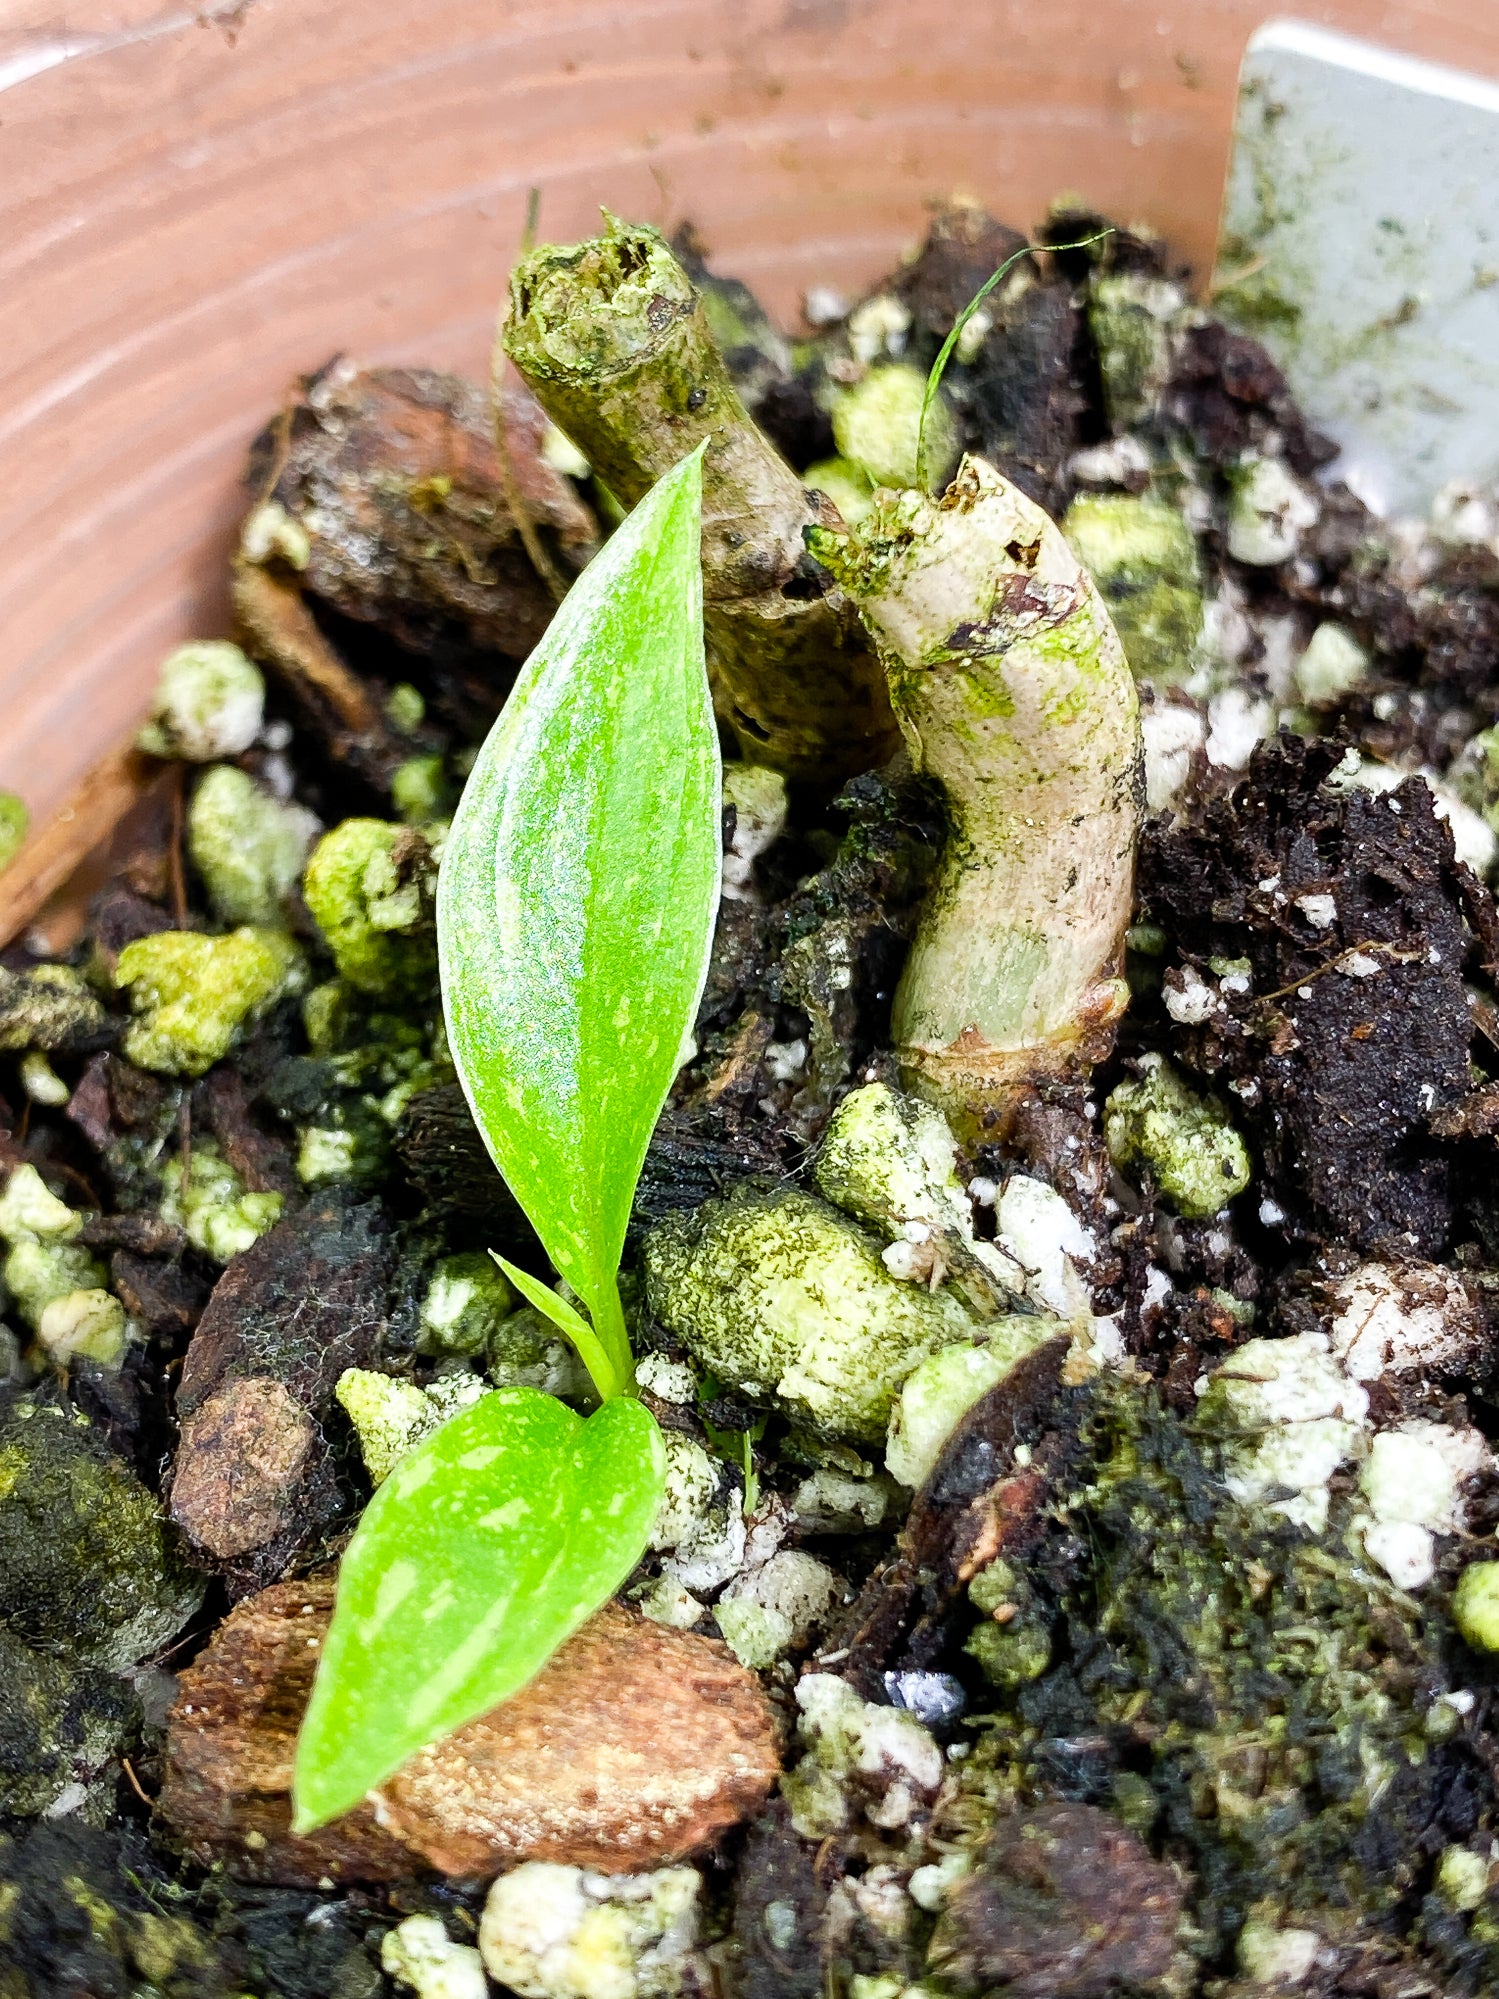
x,y
1012,691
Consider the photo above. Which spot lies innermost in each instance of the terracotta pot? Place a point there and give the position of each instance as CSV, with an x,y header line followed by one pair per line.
x,y
197,202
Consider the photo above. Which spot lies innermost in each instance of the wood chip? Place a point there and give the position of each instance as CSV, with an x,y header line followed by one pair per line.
x,y
635,1747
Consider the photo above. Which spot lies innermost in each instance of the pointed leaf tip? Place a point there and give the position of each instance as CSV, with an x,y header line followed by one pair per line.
x,y
579,888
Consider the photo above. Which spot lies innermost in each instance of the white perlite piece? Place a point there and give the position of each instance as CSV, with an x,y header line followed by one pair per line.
x,y
879,326
559,451
692,1482
1047,1240
758,797
270,532
1298,1418
1474,841
1190,1000
822,306
31,1212
1321,911
391,1416
1271,1956
781,1604
1238,723
830,1501
1268,512
891,1162
1227,636
84,1325
552,1932
1464,515
856,1748
786,1061
1413,1480
712,1554
1402,1320
208,703
41,1081
1462,1878
1172,734
1280,645
420,1953
1122,461
668,1380
725,1544
467,1297
930,1886
664,1601
1333,665
1290,1417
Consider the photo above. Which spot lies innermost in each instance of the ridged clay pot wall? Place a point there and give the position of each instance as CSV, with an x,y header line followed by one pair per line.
x,y
197,203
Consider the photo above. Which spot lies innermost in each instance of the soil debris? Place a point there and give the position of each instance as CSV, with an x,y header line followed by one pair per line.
x,y
1063,1903
255,1481
1343,1029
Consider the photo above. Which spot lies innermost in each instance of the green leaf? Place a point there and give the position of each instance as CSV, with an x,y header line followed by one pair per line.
x,y
578,889
562,1315
475,1559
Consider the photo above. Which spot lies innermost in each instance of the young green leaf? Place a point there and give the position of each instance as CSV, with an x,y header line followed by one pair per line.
x,y
576,901
475,1559
566,1318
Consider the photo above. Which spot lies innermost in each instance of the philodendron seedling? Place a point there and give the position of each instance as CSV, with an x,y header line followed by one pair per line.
x,y
575,915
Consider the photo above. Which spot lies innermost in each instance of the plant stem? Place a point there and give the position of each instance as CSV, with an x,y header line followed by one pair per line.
x,y
613,342
515,499
602,1339
1012,690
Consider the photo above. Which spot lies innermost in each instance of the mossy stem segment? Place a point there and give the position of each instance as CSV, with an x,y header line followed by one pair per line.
x,y
613,341
515,499
1012,690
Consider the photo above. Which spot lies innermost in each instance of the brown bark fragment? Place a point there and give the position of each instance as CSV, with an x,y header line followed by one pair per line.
x,y
635,1746
1065,1903
279,630
244,1454
301,1304
166,1296
143,1234
231,1737
260,1158
402,462
253,1482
